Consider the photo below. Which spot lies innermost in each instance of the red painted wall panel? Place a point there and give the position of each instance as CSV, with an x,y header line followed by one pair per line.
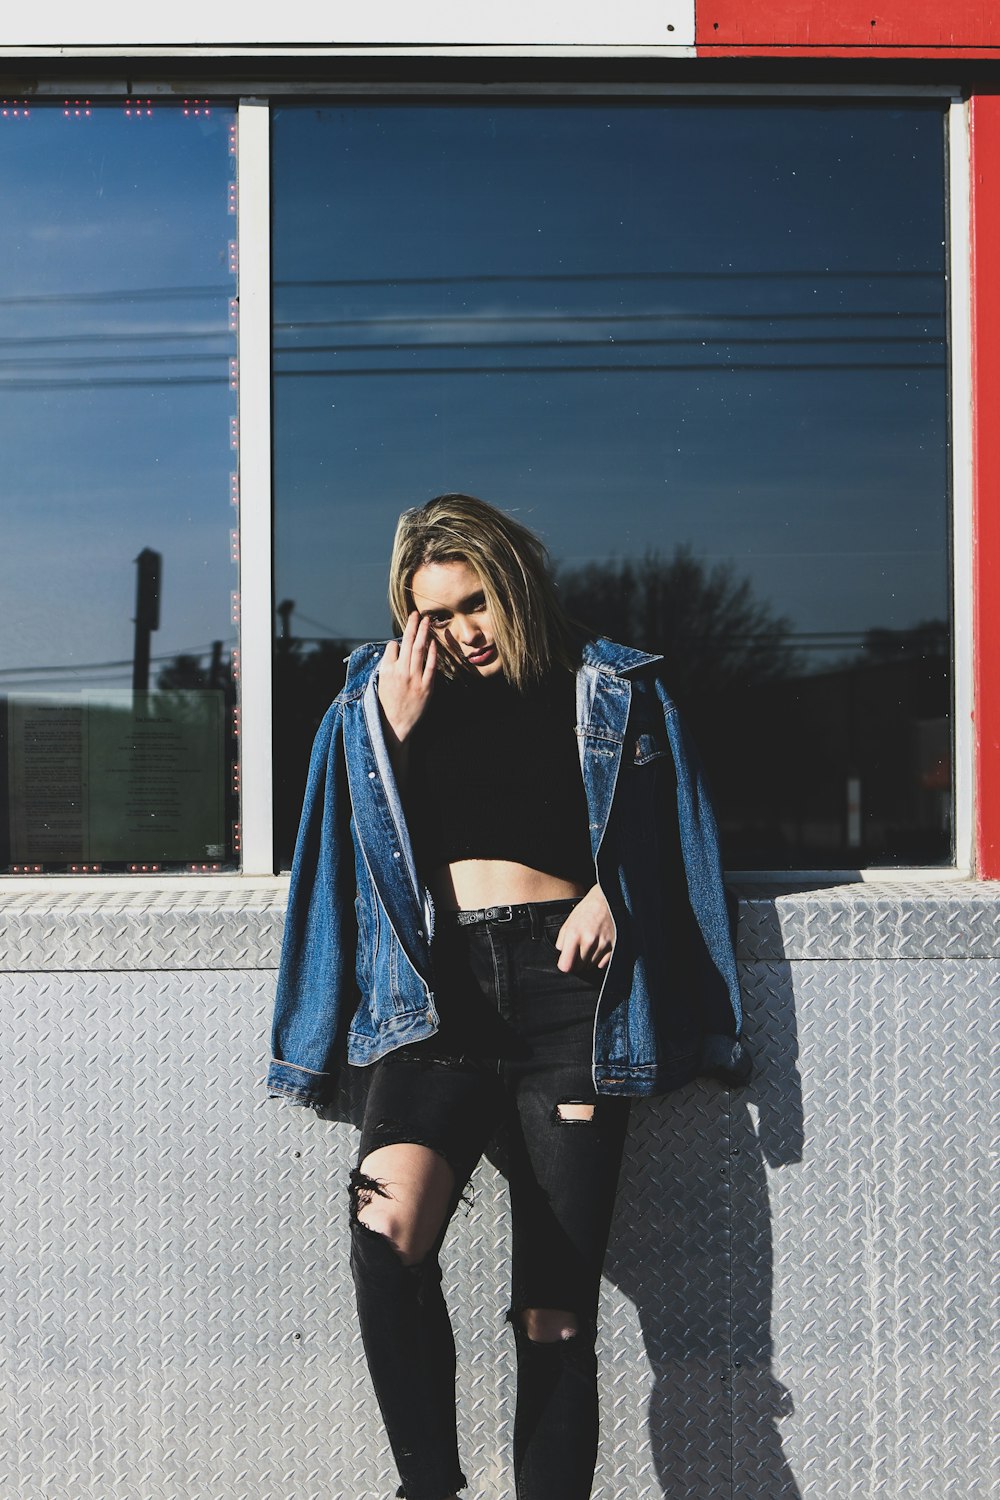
x,y
985,111
954,27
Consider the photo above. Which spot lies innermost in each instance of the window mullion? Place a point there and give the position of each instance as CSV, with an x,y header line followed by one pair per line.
x,y
254,605
960,355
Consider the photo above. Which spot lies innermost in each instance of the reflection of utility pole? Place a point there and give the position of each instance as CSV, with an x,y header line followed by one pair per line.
x,y
147,613
284,612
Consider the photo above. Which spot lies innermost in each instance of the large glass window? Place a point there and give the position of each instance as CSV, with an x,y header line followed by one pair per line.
x,y
700,347
117,428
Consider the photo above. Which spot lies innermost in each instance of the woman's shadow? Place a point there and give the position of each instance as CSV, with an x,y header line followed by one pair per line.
x,y
692,1250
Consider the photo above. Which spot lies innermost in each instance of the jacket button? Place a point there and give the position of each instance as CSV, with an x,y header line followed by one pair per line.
x,y
371,775
395,854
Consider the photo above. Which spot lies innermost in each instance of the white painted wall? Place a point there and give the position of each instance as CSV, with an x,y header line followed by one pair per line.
x,y
382,23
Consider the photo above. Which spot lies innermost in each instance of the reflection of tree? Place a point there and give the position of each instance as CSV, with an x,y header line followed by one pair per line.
x,y
928,639
714,634
311,672
787,746
308,675
722,648
178,684
181,674
189,671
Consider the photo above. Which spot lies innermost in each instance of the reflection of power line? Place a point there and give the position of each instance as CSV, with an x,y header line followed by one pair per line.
x,y
123,294
224,289
97,666
730,367
504,319
318,623
893,274
570,344
102,336
166,335
89,361
123,384
140,361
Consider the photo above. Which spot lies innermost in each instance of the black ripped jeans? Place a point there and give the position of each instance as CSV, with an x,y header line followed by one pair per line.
x,y
515,1042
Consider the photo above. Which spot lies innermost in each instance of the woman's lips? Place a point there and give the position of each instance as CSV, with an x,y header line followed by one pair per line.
x,y
478,658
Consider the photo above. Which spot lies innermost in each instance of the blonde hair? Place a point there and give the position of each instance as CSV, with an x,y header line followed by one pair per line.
x,y
531,630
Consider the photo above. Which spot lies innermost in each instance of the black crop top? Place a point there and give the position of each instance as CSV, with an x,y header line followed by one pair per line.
x,y
494,773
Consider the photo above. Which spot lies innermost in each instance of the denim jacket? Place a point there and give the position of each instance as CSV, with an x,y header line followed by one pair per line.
x,y
356,979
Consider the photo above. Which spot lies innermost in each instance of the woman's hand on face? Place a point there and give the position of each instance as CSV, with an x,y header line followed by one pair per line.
x,y
406,675
586,937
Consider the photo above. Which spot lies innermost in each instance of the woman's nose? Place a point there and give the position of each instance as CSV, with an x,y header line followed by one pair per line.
x,y
466,628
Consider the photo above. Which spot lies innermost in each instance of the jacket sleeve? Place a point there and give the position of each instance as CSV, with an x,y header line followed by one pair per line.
x,y
317,991
714,906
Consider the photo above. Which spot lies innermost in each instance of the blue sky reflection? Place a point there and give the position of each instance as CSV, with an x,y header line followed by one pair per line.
x,y
115,399
637,324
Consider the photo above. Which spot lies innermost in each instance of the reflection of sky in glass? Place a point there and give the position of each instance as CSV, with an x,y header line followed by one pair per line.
x,y
637,325
115,399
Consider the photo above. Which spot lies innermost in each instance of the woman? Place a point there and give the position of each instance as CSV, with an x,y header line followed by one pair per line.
x,y
507,897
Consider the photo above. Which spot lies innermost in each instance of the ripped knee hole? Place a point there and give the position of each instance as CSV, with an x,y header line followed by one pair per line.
x,y
546,1325
574,1112
362,1190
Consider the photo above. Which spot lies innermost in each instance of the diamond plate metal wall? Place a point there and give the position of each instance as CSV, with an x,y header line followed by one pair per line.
x,y
799,1298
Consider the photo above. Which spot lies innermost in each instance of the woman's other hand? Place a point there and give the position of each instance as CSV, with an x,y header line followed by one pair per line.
x,y
587,935
406,676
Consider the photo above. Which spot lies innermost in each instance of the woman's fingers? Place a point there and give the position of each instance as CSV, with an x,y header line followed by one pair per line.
x,y
430,663
406,675
421,642
582,944
406,643
408,651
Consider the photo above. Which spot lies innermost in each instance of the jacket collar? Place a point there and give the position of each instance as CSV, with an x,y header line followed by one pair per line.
x,y
611,656
359,667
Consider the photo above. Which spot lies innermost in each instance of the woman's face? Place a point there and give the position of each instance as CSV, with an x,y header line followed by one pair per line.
x,y
451,596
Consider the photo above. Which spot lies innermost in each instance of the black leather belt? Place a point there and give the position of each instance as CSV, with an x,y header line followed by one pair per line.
x,y
487,914
507,913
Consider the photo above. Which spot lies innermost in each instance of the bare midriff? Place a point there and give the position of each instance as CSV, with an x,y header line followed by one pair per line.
x,y
468,884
